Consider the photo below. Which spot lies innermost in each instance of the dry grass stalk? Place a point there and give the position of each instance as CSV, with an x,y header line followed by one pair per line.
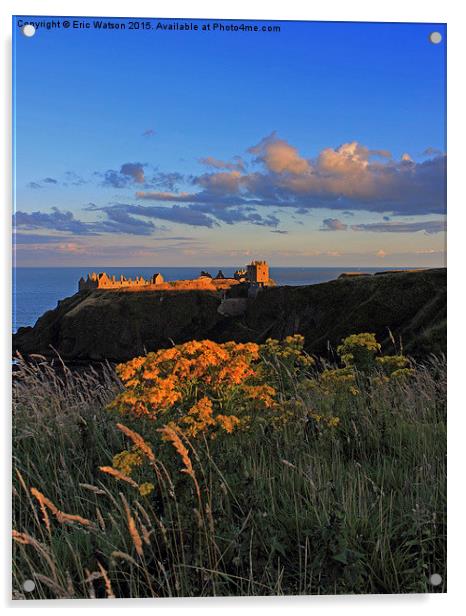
x,y
124,556
61,516
26,539
100,518
90,577
91,488
22,538
170,434
108,585
118,475
60,592
138,441
133,531
44,502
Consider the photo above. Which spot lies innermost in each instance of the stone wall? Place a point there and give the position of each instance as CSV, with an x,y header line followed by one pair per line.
x,y
198,284
155,283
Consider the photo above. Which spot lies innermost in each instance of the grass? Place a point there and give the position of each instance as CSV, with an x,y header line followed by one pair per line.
x,y
300,507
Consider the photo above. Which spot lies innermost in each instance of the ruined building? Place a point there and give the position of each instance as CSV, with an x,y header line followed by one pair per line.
x,y
256,274
104,281
240,275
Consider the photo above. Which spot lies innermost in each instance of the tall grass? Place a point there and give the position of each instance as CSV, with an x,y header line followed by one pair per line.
x,y
303,509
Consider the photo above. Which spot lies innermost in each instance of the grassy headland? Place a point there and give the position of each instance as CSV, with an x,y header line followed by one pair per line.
x,y
116,326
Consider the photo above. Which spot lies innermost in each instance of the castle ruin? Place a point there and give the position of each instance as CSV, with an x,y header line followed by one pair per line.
x,y
256,274
104,281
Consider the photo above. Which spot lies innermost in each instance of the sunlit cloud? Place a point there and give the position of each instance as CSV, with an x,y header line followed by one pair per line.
x,y
350,178
279,156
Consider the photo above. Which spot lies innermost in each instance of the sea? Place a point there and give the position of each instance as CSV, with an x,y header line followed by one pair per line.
x,y
38,289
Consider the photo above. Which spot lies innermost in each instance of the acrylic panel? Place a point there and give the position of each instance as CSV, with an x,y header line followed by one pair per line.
x,y
229,306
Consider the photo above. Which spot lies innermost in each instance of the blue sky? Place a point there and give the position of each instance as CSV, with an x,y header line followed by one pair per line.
x,y
321,144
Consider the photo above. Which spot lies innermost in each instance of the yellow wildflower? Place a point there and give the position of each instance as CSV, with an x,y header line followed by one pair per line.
x,y
125,461
146,488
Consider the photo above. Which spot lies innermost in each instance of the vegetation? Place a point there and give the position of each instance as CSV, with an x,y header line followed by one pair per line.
x,y
231,469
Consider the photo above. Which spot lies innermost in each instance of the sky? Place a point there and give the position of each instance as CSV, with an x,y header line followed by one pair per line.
x,y
322,144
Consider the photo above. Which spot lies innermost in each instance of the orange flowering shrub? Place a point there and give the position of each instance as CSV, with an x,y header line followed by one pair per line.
x,y
198,387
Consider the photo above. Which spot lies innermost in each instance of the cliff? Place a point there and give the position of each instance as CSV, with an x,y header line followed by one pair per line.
x,y
96,325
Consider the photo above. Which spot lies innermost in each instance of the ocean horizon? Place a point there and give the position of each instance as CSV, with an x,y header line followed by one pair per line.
x,y
38,289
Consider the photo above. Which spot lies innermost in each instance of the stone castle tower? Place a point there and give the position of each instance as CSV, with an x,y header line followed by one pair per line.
x,y
258,272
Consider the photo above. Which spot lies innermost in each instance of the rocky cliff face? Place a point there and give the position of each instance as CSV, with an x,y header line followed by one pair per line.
x,y
113,325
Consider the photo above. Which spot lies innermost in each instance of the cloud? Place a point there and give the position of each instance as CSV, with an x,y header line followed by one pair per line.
x,y
56,220
134,171
197,215
33,249
428,226
36,185
380,153
70,247
166,180
279,156
429,251
184,197
69,178
348,160
130,173
333,224
114,179
273,174
117,221
210,161
120,221
432,152
231,216
74,179
174,213
350,177
35,238
223,183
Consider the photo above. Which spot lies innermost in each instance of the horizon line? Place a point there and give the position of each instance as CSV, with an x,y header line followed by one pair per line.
x,y
229,266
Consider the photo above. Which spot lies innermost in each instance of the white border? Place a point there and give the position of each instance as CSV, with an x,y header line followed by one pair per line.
x,y
449,11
